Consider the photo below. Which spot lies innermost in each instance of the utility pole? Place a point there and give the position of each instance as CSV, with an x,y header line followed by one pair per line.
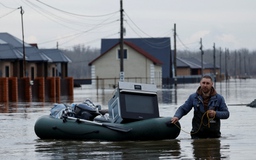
x,y
220,64
202,59
23,43
214,65
174,56
245,71
121,43
240,65
235,65
226,63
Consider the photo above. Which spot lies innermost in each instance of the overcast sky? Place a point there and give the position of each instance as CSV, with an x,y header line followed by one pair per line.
x,y
227,23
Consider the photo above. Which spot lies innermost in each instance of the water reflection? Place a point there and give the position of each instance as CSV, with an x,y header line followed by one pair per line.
x,y
14,107
21,107
8,107
20,142
166,96
208,149
109,150
235,88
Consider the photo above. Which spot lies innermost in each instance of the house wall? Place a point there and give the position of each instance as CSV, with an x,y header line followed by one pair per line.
x,y
208,71
3,64
16,69
183,71
38,69
187,71
52,70
211,71
29,67
137,68
157,77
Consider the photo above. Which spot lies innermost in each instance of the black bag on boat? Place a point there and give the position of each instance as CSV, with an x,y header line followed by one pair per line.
x,y
85,111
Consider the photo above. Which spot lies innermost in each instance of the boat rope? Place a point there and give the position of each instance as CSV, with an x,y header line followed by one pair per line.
x,y
80,134
202,123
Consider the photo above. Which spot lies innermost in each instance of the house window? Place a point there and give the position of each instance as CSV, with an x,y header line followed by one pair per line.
x,y
53,71
7,73
125,54
32,73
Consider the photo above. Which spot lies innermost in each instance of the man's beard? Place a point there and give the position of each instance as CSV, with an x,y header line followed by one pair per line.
x,y
206,91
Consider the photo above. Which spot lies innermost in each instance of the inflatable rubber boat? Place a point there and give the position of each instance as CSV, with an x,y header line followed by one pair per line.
x,y
132,114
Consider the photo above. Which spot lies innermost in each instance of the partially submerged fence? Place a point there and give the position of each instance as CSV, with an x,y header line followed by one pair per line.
x,y
51,89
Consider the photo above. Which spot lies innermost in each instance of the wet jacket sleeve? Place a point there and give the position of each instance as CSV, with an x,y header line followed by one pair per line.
x,y
222,112
185,108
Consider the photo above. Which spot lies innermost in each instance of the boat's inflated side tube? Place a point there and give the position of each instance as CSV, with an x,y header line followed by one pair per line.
x,y
47,127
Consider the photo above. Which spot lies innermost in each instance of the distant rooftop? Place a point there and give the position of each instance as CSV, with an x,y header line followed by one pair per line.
x,y
10,39
12,48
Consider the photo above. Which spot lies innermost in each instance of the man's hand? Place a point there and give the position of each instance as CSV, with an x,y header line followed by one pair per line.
x,y
174,119
211,113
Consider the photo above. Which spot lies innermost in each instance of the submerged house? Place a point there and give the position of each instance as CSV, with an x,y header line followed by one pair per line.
x,y
37,75
10,60
146,60
60,61
139,66
189,69
38,62
192,67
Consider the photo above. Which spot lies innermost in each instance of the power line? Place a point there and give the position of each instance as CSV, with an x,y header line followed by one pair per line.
x,y
185,45
96,39
7,6
137,26
64,18
77,34
52,17
8,13
151,44
80,15
74,35
56,18
46,14
181,42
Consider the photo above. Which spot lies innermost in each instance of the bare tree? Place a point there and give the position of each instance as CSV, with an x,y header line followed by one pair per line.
x,y
81,56
239,62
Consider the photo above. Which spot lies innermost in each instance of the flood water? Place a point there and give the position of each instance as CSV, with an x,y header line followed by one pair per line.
x,y
18,140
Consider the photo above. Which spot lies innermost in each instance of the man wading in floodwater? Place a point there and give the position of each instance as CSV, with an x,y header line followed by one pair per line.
x,y
209,108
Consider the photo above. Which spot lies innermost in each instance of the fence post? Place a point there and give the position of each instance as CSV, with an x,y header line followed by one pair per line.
x,y
103,86
4,94
27,87
13,89
97,85
52,93
58,89
70,88
41,89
